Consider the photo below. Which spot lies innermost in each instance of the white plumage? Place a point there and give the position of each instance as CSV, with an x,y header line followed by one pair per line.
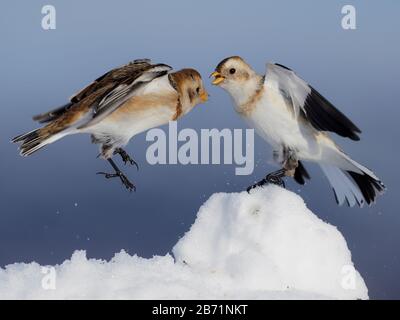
x,y
292,116
137,120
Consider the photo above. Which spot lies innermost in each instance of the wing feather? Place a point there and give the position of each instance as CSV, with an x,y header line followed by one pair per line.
x,y
309,103
52,114
124,91
111,90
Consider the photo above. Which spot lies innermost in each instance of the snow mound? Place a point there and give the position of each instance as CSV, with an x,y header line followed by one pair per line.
x,y
263,245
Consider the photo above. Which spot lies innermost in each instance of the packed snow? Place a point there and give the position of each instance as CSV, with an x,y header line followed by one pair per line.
x,y
263,245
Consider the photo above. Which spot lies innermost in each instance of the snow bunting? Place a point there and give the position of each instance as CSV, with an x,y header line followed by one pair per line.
x,y
120,104
295,119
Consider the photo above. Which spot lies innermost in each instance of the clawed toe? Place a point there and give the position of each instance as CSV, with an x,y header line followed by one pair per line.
x,y
132,162
256,185
125,181
276,180
128,185
126,158
108,175
273,178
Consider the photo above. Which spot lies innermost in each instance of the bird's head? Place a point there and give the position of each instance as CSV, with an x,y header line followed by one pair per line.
x,y
190,86
235,76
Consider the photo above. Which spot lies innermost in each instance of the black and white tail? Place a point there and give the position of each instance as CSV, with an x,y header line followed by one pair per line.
x,y
355,184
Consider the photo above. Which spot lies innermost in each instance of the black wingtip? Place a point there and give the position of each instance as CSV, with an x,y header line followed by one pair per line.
x,y
325,117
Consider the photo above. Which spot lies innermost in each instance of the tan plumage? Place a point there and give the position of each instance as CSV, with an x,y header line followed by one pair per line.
x,y
118,105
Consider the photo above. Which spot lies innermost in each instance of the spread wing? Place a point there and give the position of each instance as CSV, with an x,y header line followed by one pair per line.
x,y
111,90
309,103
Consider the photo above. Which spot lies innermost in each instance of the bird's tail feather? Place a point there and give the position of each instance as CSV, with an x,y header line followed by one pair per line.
x,y
358,185
36,139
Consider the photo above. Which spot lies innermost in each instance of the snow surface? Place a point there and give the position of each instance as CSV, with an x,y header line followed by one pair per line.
x,y
263,245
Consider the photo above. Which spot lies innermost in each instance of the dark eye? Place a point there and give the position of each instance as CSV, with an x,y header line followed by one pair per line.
x,y
232,70
198,90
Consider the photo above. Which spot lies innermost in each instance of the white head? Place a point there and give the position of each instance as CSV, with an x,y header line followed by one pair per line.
x,y
235,76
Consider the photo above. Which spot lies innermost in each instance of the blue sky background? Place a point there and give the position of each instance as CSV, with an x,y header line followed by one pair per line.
x,y
53,203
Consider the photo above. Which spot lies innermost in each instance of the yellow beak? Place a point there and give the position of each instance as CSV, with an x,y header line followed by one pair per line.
x,y
204,96
218,78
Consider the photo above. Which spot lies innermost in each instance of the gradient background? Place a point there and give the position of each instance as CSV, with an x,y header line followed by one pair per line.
x,y
53,203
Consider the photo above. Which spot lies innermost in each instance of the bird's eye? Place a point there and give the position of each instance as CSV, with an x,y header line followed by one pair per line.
x,y
198,90
232,70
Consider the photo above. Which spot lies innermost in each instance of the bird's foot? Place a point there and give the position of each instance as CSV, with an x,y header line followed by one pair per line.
x,y
273,178
276,178
257,184
126,158
125,181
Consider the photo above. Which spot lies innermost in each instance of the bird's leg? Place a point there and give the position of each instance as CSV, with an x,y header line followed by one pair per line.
x,y
118,173
273,177
289,166
126,158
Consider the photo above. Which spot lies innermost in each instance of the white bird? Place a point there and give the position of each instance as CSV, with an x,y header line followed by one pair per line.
x,y
117,106
295,119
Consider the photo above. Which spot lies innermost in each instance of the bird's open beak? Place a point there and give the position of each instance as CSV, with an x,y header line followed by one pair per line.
x,y
204,96
218,78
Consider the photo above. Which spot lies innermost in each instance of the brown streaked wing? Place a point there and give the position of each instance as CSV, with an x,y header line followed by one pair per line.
x,y
124,90
118,75
109,81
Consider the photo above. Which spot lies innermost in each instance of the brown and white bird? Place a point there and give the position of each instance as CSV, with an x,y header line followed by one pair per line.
x,y
295,120
120,104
